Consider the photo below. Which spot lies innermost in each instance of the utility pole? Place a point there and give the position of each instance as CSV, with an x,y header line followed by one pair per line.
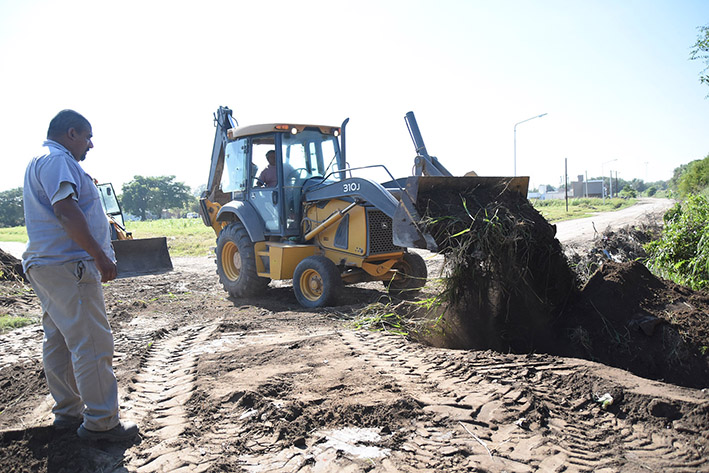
x,y
566,182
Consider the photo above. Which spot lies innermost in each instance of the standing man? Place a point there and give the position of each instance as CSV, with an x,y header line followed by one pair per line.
x,y
68,256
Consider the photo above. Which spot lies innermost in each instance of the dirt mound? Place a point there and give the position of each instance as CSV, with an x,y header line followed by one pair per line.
x,y
11,268
627,318
509,288
618,245
507,277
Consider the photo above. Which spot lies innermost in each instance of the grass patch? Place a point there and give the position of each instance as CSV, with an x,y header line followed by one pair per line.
x,y
11,322
555,210
18,234
185,236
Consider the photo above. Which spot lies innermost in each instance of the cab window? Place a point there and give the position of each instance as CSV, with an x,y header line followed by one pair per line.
x,y
235,173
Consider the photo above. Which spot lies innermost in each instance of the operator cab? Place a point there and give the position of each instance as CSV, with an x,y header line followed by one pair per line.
x,y
297,152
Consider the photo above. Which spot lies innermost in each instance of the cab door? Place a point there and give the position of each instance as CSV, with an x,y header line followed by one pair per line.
x,y
267,198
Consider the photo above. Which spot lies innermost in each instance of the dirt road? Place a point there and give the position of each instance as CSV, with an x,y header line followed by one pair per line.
x,y
578,232
218,385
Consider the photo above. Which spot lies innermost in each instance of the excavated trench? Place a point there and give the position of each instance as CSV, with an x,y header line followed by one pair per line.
x,y
508,287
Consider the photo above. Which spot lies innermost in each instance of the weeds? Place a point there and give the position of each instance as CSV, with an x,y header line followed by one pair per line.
x,y
379,317
402,318
580,336
620,340
12,322
681,254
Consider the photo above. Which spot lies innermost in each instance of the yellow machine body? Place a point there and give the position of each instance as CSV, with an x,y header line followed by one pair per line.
x,y
348,243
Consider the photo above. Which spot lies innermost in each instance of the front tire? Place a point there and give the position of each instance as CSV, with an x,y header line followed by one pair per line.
x,y
316,282
236,262
411,277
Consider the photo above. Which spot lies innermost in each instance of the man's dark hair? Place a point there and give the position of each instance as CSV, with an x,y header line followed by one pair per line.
x,y
64,120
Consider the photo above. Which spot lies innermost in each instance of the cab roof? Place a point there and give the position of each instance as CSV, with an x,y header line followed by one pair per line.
x,y
250,130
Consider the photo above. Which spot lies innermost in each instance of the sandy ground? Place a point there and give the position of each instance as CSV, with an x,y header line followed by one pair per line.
x,y
221,385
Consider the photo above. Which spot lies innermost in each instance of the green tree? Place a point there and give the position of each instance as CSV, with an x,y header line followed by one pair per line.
x,y
691,178
11,208
628,192
144,196
637,184
700,51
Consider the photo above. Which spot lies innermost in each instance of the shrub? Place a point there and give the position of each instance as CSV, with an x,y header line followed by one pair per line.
x,y
681,254
628,192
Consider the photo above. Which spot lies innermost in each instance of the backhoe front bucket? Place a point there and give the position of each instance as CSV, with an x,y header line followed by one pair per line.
x,y
408,229
142,256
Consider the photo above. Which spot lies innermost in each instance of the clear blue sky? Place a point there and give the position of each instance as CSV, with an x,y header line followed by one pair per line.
x,y
614,77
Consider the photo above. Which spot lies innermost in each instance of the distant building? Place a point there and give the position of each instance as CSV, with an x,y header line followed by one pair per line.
x,y
577,190
544,194
583,188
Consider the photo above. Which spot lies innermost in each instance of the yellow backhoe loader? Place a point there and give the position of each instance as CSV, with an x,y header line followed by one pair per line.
x,y
134,257
309,218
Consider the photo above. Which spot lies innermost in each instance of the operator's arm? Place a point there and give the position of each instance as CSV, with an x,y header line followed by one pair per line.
x,y
74,223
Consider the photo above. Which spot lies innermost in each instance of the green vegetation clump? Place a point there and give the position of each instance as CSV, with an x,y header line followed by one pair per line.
x,y
11,322
146,196
692,178
681,254
11,208
700,51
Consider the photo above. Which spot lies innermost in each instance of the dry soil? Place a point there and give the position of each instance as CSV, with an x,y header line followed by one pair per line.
x,y
219,385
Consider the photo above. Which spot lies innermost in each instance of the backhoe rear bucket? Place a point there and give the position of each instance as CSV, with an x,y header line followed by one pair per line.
x,y
408,230
142,256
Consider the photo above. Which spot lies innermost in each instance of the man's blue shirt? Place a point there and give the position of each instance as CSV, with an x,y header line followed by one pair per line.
x,y
48,242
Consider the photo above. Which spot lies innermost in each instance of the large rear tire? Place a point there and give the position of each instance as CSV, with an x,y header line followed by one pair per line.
x,y
316,282
236,263
411,277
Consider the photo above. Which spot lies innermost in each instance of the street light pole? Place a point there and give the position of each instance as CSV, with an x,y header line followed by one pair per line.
x,y
515,132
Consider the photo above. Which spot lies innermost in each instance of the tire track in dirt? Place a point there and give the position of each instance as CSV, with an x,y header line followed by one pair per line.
x,y
156,401
513,410
273,418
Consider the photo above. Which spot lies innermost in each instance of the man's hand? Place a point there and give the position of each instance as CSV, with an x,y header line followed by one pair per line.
x,y
74,223
106,267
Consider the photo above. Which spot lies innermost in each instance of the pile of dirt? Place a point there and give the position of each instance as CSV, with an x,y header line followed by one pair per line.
x,y
10,268
617,245
507,277
628,318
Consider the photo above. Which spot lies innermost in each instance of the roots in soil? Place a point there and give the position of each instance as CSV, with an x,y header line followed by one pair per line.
x,y
507,277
